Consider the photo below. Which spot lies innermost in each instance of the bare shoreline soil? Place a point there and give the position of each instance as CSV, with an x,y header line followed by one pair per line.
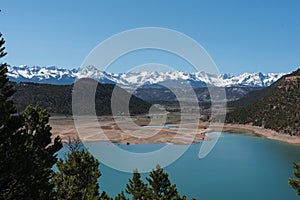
x,y
260,131
126,133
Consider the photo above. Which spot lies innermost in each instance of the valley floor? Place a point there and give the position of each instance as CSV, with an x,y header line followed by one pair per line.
x,y
105,129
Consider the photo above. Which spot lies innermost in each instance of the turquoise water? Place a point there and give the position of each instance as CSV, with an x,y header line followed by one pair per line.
x,y
239,167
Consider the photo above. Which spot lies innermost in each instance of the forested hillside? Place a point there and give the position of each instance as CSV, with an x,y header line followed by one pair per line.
x,y
57,99
276,107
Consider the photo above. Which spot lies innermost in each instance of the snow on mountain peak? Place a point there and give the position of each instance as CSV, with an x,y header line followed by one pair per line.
x,y
55,75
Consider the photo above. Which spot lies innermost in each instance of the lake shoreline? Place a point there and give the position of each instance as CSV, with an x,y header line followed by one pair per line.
x,y
261,132
65,128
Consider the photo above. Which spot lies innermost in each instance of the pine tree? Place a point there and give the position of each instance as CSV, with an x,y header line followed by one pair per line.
x,y
7,109
295,183
136,187
26,152
105,196
121,196
40,150
6,106
160,185
77,177
28,157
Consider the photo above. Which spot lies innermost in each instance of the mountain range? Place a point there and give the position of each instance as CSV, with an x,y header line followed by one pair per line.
x,y
61,76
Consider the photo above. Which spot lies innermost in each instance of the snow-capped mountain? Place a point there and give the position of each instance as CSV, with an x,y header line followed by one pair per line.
x,y
55,75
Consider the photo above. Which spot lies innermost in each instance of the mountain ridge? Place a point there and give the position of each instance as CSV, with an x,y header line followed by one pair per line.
x,y
57,99
61,76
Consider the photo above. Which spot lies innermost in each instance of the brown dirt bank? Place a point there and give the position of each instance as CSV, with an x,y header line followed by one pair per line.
x,y
110,131
260,131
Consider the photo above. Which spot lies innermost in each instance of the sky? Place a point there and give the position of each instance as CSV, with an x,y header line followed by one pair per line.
x,y
240,36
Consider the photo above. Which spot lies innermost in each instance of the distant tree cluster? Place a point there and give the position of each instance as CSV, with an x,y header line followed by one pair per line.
x,y
279,109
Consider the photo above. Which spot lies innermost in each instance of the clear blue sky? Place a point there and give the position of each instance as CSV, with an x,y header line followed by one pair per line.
x,y
241,36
